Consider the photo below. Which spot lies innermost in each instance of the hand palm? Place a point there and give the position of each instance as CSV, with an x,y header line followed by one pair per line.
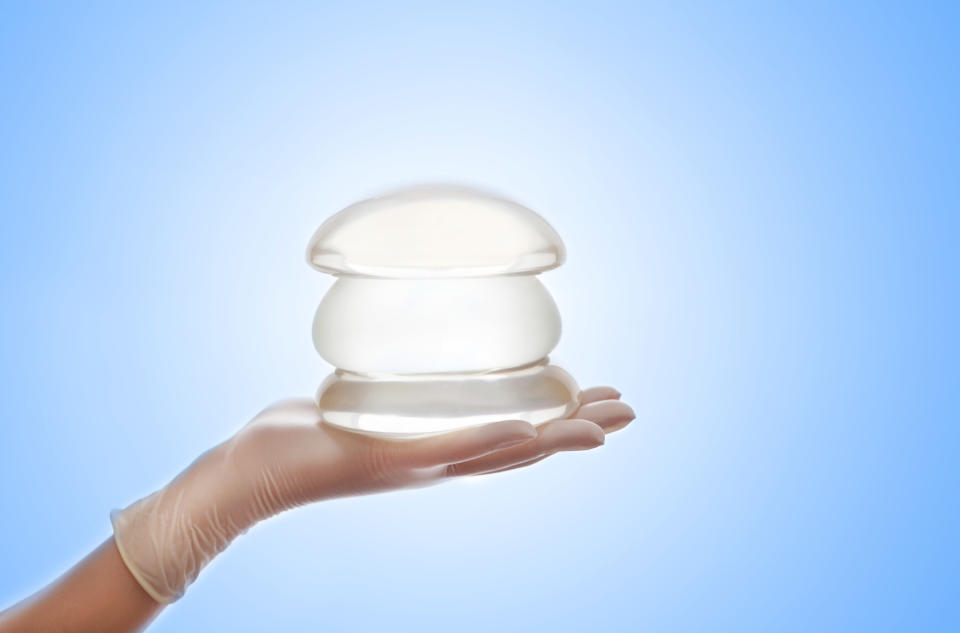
x,y
294,458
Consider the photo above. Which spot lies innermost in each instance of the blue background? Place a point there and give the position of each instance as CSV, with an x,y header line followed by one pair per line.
x,y
760,208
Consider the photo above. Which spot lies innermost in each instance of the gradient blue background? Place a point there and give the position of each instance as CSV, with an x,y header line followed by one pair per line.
x,y
760,208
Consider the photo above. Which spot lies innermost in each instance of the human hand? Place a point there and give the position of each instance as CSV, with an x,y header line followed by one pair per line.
x,y
286,457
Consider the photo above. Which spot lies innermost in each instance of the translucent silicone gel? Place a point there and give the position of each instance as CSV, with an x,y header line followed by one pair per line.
x,y
438,321
416,405
429,326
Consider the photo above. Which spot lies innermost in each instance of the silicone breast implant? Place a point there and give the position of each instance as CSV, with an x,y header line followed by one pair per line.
x,y
437,320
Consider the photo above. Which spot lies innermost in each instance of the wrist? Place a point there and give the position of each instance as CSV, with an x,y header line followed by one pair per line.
x,y
166,538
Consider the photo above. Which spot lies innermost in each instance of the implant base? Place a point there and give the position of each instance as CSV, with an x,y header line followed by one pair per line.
x,y
409,406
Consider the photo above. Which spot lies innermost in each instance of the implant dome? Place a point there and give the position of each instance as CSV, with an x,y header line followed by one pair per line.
x,y
435,232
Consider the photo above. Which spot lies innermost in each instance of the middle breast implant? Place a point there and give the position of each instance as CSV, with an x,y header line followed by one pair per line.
x,y
435,326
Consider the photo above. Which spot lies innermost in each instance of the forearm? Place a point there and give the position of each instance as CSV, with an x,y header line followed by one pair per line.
x,y
98,594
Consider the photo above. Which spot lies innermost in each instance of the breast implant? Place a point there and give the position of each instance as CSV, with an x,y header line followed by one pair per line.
x,y
438,319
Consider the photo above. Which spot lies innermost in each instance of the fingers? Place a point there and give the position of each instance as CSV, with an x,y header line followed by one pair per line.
x,y
600,405
596,394
466,444
559,435
529,462
610,415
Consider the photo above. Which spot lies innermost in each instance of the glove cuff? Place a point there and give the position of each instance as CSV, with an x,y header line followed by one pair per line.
x,y
165,539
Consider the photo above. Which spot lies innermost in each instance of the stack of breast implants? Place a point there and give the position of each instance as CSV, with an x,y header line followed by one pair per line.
x,y
437,319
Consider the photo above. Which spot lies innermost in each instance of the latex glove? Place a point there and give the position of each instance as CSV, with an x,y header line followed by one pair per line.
x,y
287,457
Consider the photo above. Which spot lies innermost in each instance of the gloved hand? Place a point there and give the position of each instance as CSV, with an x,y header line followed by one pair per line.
x,y
287,457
